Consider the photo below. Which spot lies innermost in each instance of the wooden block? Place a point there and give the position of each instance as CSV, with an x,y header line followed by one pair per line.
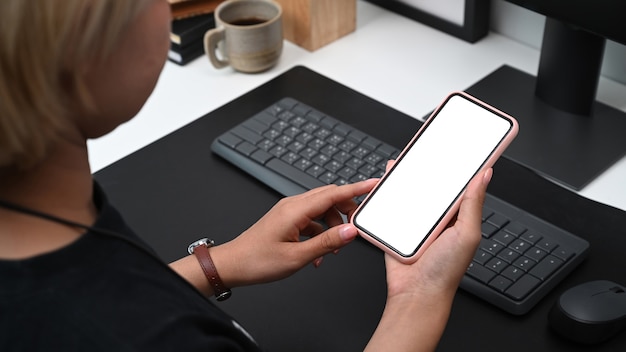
x,y
312,24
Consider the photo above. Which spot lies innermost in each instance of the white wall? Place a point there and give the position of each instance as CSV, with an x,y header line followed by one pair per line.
x,y
527,27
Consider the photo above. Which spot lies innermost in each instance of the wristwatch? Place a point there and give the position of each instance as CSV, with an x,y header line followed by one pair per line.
x,y
200,249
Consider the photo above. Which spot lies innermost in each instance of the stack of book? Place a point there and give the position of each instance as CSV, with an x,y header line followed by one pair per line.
x,y
190,20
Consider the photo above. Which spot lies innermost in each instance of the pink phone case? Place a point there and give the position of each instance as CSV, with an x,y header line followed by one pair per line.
x,y
443,223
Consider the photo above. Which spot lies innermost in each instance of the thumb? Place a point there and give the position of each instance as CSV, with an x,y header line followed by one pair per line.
x,y
328,241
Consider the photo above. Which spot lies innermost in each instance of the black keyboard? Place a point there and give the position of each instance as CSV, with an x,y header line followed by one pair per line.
x,y
293,148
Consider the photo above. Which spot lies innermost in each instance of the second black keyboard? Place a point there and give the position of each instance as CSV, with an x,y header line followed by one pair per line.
x,y
293,147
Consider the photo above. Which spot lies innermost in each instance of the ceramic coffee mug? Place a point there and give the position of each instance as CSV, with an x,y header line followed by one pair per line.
x,y
248,35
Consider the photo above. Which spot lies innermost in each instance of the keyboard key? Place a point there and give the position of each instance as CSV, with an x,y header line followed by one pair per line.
x,y
329,150
295,147
298,121
255,126
496,264
316,144
283,140
278,151
358,178
371,142
280,125
328,122
247,135
360,152
342,129
487,229
520,289
347,172
230,140
246,148
547,245
503,237
327,177
498,220
536,254
486,213
302,164
313,115
368,170
266,144
334,139
342,156
354,163
308,153
387,150
304,137
315,170
320,159
490,246
563,253
520,245
515,228
481,257
524,263
347,146
274,110
322,133
302,110
261,156
333,166
292,131
373,159
290,157
513,273
531,237
356,136
271,134
508,255
310,127
286,115
480,273
500,283
546,267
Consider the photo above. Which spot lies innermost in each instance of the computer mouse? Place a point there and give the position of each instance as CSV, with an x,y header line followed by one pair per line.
x,y
590,313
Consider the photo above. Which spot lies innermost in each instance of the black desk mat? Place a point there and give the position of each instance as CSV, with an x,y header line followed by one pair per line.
x,y
175,191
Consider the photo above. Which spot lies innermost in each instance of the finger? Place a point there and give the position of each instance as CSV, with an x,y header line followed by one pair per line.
x,y
312,229
389,165
470,211
317,202
327,242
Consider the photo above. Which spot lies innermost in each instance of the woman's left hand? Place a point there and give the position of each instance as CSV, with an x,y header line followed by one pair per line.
x,y
273,249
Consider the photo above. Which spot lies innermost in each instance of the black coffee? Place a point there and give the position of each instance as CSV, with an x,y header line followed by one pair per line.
x,y
250,21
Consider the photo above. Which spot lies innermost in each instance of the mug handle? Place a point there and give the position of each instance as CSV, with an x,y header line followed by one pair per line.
x,y
211,39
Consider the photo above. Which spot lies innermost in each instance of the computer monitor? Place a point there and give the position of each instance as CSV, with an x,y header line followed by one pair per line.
x,y
565,134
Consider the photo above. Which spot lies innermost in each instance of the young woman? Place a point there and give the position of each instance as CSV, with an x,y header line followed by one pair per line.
x,y
73,276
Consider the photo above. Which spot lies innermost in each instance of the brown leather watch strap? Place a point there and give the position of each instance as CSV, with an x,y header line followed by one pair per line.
x,y
204,258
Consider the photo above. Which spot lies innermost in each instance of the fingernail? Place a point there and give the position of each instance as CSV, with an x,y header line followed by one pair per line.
x,y
487,176
317,262
347,232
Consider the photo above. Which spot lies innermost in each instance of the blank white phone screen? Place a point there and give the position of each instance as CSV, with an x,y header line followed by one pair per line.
x,y
428,179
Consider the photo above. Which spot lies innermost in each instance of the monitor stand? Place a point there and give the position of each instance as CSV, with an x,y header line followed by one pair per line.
x,y
567,148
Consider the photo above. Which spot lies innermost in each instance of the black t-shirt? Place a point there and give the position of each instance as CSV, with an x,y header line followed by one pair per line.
x,y
102,293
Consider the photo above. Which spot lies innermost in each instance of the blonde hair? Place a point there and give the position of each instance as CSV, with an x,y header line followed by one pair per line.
x,y
42,45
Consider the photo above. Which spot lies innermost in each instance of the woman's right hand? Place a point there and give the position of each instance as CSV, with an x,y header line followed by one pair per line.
x,y
420,295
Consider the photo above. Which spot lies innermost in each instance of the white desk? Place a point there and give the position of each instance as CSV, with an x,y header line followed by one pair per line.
x,y
397,61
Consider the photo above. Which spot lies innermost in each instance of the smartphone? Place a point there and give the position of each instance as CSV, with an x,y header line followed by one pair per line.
x,y
417,198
